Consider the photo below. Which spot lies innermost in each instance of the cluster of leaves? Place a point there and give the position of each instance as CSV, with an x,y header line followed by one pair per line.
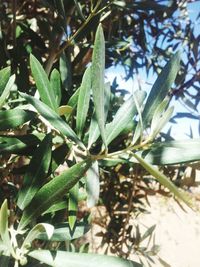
x,y
54,134
77,123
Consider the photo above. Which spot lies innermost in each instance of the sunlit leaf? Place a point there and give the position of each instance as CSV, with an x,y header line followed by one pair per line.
x,y
64,233
124,116
52,117
53,191
70,259
35,232
4,77
97,78
172,152
164,180
92,185
42,82
73,205
159,91
6,90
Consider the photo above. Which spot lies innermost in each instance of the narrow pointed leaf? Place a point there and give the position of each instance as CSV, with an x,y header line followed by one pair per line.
x,y
52,117
162,122
124,116
70,259
42,82
94,128
158,113
172,152
4,234
161,87
93,185
53,191
83,102
18,144
4,77
36,172
63,232
159,91
55,83
74,98
164,180
13,118
97,78
65,72
35,232
73,205
7,89
58,157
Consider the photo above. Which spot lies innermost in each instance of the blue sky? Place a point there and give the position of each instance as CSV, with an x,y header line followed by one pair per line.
x,y
184,126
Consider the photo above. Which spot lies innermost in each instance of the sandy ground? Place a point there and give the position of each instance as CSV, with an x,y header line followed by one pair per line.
x,y
177,233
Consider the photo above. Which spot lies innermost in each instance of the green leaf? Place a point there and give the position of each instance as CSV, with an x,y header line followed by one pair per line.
x,y
172,152
97,78
92,185
65,72
158,113
4,234
60,205
4,77
13,118
35,232
36,173
124,116
162,122
53,191
53,118
159,91
83,102
56,86
6,91
70,259
73,205
58,157
18,144
74,98
164,180
42,83
94,128
63,232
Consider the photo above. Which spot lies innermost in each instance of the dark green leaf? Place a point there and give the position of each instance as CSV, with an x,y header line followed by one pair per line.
x,y
70,259
36,172
58,157
97,78
18,144
4,77
52,117
73,205
42,83
56,86
65,72
53,191
83,102
13,118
